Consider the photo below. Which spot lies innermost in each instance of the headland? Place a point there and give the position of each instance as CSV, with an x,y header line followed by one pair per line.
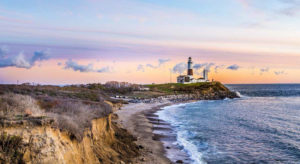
x,y
91,123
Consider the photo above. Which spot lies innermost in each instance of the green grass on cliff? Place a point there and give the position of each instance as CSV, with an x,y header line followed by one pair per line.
x,y
174,88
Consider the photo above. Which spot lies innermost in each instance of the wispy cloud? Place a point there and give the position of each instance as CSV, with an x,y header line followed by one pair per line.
x,y
198,66
280,72
151,66
233,67
180,68
218,67
84,68
20,61
104,69
140,68
160,63
262,70
206,66
163,61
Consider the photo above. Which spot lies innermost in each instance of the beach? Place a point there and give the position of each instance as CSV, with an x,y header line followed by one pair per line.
x,y
133,117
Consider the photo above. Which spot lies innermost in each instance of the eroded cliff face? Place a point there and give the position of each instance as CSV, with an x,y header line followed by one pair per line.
x,y
105,143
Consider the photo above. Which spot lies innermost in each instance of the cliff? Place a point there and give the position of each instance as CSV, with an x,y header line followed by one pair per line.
x,y
104,142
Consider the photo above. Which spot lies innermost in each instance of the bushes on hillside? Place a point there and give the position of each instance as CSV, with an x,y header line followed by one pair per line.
x,y
18,105
76,116
73,116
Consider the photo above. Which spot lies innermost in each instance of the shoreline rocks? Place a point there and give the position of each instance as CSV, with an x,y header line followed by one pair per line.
x,y
187,97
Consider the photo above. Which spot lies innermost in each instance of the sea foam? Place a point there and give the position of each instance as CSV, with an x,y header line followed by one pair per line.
x,y
189,147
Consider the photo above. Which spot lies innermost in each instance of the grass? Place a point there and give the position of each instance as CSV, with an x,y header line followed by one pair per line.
x,y
177,88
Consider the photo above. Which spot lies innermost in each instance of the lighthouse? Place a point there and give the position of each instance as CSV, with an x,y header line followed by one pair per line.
x,y
188,79
190,67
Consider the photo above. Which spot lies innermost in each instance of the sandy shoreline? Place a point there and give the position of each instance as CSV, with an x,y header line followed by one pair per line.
x,y
139,119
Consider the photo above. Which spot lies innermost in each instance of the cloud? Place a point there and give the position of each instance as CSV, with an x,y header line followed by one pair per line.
x,y
84,68
152,66
206,66
280,72
40,56
198,66
233,67
160,63
104,69
20,61
217,67
76,67
262,70
180,68
140,68
163,61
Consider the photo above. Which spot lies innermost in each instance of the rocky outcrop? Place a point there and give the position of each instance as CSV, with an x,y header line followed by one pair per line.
x,y
105,143
175,92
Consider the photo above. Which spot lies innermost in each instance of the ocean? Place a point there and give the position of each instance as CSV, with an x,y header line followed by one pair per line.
x,y
263,126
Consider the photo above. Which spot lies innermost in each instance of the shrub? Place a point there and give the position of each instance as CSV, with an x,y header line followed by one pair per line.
x,y
16,105
76,116
47,103
12,148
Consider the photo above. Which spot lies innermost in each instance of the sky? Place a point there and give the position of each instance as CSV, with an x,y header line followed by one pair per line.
x,y
144,41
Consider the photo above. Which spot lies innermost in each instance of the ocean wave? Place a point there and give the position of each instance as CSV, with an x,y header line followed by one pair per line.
x,y
239,94
167,114
266,90
189,147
